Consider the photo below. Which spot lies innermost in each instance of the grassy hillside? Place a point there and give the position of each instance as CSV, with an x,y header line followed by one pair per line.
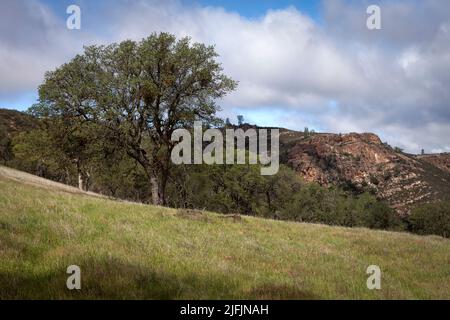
x,y
128,250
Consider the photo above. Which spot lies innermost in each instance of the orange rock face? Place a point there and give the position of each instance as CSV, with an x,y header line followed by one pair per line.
x,y
363,163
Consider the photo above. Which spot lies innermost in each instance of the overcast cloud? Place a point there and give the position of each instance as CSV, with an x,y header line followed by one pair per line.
x,y
293,71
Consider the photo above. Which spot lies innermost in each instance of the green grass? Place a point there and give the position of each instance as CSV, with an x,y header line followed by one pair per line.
x,y
133,251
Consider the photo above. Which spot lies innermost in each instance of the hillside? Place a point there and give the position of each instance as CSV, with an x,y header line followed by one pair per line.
x,y
128,250
14,121
441,160
363,162
11,123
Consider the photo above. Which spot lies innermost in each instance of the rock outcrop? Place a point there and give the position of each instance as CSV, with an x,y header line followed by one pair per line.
x,y
361,162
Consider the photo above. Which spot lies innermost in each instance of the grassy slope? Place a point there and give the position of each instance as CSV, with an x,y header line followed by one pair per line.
x,y
129,250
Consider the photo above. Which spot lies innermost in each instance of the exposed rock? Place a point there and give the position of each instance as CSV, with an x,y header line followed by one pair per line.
x,y
442,160
362,162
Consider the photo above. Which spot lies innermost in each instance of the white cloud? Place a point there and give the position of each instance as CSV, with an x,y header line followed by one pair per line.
x,y
394,81
33,40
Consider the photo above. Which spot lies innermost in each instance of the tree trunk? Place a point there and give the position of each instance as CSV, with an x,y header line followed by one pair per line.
x,y
163,187
154,186
67,178
87,180
155,189
80,175
156,200
80,180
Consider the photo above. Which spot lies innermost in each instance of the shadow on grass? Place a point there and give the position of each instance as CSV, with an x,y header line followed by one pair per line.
x,y
113,279
105,277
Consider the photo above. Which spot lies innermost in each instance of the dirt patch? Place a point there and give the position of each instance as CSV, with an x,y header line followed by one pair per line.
x,y
232,217
192,214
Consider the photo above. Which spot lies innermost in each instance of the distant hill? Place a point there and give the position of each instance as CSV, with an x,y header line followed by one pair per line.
x,y
440,160
362,162
11,123
133,251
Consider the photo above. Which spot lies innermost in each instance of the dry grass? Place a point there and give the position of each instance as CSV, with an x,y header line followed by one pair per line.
x,y
133,251
29,179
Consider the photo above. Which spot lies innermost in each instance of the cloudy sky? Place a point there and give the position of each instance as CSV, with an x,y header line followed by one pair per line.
x,y
298,63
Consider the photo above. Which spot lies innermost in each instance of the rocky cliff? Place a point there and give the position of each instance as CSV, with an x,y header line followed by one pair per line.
x,y
361,162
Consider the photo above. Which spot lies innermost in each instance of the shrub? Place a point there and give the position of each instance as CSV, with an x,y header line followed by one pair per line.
x,y
378,215
432,218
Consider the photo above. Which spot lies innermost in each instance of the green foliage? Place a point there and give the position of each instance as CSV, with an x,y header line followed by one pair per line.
x,y
12,122
62,143
285,196
221,188
140,91
108,169
431,218
35,152
54,151
6,152
335,207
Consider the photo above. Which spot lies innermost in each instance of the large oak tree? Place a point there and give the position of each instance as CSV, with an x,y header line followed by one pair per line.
x,y
140,92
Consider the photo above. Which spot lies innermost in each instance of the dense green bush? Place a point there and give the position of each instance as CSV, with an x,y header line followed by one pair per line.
x,y
284,196
432,218
333,206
